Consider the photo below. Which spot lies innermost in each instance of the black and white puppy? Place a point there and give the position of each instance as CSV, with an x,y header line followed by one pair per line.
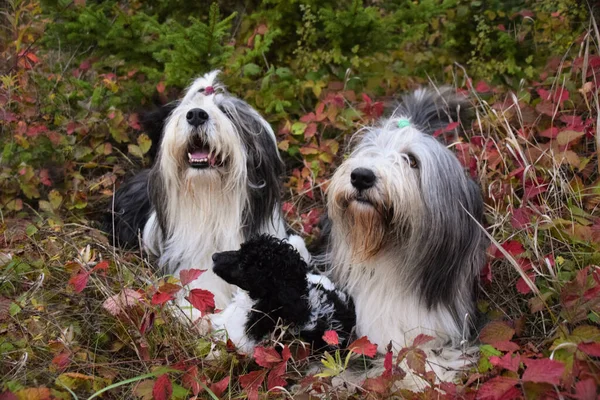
x,y
277,289
215,182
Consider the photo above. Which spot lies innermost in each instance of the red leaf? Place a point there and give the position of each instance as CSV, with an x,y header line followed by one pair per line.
x,y
543,371
482,87
496,331
102,265
275,376
71,126
219,387
32,57
508,361
266,357
79,281
202,300
506,345
486,274
161,298
191,381
169,288
363,346
251,383
388,362
331,338
285,353
45,177
310,130
147,323
8,396
534,190
496,387
591,349
451,126
521,218
512,247
560,95
61,360
376,385
585,390
422,339
188,275
162,389
522,286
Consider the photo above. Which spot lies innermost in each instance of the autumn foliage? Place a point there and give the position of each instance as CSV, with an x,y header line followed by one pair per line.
x,y
80,318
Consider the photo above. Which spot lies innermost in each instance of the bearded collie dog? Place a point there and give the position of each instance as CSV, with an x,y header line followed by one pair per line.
x,y
404,235
214,183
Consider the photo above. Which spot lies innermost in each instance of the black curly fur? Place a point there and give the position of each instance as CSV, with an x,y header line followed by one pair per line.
x,y
275,276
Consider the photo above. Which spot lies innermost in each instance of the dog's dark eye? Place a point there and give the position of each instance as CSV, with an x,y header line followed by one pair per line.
x,y
412,161
201,90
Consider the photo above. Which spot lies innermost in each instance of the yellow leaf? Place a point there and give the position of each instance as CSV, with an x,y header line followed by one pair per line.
x,y
135,150
144,143
284,145
565,137
41,393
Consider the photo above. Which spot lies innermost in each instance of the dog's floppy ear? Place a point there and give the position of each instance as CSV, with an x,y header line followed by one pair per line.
x,y
153,123
264,165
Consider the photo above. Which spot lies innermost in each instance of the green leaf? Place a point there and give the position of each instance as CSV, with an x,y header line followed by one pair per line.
x,y
14,309
31,230
251,69
284,73
298,128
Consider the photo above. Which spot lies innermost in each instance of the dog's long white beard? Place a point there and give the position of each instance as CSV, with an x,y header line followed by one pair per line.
x,y
202,218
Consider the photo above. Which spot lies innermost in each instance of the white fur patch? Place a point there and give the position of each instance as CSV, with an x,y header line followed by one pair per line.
x,y
231,322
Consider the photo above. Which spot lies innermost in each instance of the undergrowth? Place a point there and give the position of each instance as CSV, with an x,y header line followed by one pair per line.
x,y
80,318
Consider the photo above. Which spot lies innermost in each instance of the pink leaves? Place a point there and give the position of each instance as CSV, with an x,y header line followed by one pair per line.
x,y
331,338
189,275
119,303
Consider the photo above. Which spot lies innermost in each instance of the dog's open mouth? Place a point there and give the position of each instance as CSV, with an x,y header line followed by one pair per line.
x,y
202,156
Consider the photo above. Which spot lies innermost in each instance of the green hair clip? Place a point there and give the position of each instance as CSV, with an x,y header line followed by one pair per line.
x,y
403,123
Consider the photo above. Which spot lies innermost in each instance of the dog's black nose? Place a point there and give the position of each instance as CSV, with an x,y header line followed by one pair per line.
x,y
362,178
196,117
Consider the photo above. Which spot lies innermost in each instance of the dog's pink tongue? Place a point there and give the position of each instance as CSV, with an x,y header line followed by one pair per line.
x,y
199,154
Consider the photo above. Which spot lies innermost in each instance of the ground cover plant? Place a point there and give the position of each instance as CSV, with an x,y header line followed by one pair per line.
x,y
82,319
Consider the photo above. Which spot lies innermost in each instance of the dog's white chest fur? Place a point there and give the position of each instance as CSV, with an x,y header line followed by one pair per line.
x,y
233,319
386,311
